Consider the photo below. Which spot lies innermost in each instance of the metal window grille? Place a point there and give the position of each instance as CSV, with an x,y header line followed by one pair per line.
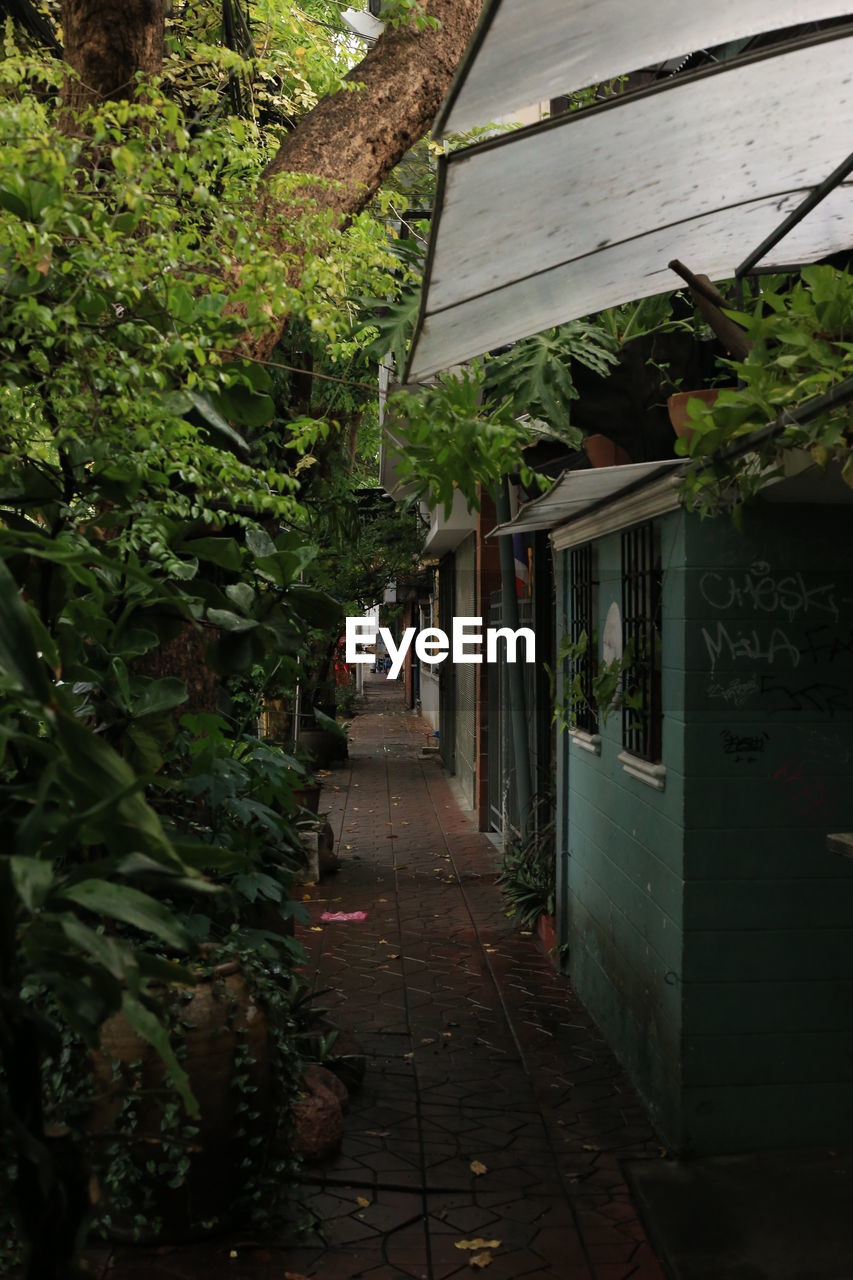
x,y
641,624
582,623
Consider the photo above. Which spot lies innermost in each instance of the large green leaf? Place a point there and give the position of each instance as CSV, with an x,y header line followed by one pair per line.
x,y
18,653
212,419
224,552
148,1025
160,695
244,406
108,777
316,607
228,621
536,374
32,878
111,954
131,906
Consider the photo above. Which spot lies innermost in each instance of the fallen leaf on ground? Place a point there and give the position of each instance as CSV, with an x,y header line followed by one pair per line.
x,y
316,928
590,1146
478,1168
362,1202
427,1039
478,1243
479,1261
447,1034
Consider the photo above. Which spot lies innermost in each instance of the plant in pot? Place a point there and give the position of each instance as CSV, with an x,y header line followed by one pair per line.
x,y
528,873
798,336
231,1025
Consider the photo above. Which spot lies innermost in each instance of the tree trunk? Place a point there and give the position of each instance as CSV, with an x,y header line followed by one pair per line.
x,y
107,43
354,138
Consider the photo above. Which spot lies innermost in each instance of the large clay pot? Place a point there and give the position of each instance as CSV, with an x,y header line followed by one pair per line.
x,y
222,1026
603,452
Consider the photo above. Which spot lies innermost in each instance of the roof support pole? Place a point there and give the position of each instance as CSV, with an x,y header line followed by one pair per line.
x,y
812,200
515,671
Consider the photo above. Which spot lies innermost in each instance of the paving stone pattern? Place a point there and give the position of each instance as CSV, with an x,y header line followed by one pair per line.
x,y
477,1052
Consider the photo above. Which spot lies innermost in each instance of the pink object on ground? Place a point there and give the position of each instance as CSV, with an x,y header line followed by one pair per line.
x,y
335,917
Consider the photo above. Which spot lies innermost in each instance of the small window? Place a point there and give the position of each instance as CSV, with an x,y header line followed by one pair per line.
x,y
641,622
582,622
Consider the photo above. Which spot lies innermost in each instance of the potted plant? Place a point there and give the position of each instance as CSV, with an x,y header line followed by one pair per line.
x,y
187,1177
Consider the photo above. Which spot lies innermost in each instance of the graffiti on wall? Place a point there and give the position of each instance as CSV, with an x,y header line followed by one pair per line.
x,y
795,668
760,589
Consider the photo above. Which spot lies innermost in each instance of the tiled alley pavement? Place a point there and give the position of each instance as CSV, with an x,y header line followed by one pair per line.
x,y
478,1052
492,1109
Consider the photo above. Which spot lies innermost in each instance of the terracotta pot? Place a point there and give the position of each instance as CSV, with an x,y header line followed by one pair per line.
x,y
546,929
218,1017
604,452
677,408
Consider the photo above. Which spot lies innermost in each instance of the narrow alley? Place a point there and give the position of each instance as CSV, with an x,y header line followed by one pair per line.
x,y
492,1109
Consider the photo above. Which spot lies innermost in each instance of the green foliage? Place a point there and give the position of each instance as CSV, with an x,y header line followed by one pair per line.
x,y
410,13
609,689
535,375
528,875
151,568
802,345
455,440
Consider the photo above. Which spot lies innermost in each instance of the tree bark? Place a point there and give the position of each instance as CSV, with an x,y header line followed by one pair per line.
x,y
109,42
356,136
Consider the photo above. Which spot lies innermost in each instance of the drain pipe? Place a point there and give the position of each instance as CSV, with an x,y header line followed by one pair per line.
x,y
515,671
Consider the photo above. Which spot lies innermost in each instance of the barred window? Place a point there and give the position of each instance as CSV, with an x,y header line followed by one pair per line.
x,y
641,623
582,623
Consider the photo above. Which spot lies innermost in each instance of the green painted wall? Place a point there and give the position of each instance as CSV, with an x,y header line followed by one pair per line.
x,y
710,931
624,847
768,911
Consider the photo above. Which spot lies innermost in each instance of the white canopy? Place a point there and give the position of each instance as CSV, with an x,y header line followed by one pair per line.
x,y
583,212
527,50
576,492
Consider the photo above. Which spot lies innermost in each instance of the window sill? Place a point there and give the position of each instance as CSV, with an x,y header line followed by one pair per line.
x,y
590,742
651,775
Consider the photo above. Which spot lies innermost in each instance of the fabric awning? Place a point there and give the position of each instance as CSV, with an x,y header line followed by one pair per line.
x,y
578,491
526,51
583,212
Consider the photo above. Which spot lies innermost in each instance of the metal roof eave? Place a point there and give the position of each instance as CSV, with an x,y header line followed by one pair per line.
x,y
578,493
573,120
